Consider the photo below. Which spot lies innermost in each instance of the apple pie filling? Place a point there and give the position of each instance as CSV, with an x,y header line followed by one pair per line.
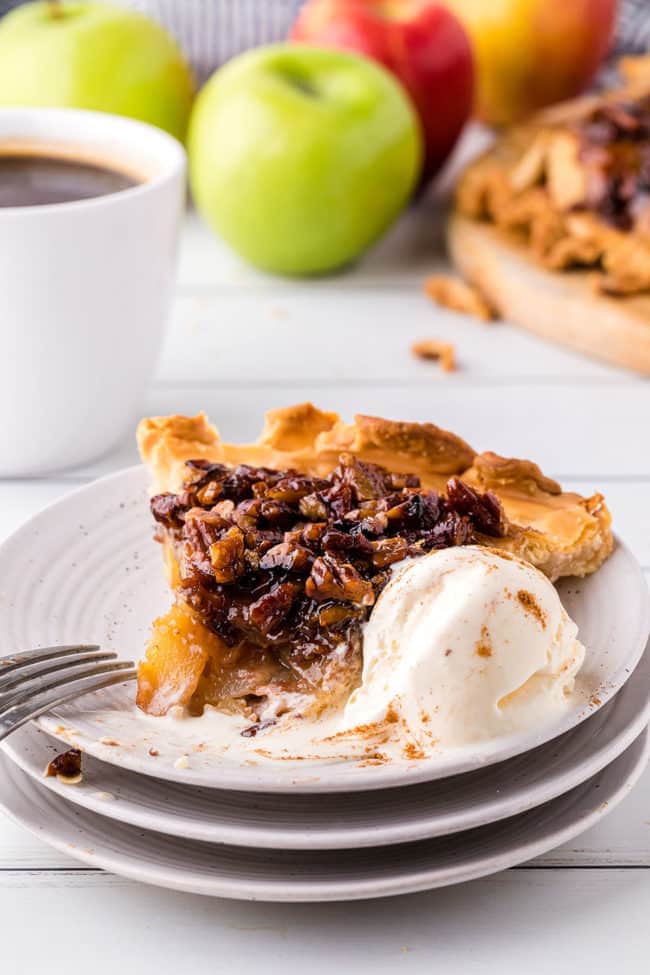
x,y
276,572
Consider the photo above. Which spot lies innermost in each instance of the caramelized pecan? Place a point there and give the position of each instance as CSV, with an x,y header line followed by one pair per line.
x,y
288,556
269,611
227,556
330,579
388,550
168,510
484,509
291,565
313,507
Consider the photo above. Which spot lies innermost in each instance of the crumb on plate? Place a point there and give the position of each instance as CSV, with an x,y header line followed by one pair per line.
x,y
66,767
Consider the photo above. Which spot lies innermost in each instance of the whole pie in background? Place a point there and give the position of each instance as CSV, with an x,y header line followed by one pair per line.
x,y
552,224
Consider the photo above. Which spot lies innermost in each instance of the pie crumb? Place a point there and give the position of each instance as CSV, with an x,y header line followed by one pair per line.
x,y
66,767
442,352
456,295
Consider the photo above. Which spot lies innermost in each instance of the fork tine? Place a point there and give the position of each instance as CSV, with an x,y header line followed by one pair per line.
x,y
22,675
42,685
25,657
21,714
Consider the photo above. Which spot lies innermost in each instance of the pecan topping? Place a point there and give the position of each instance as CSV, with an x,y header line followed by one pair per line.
x,y
331,579
227,556
270,610
292,564
485,509
385,551
288,556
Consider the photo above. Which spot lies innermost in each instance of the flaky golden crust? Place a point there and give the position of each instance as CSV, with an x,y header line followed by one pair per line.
x,y
561,533
495,473
305,438
166,442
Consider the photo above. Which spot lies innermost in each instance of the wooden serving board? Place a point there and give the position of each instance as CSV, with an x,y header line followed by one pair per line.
x,y
561,306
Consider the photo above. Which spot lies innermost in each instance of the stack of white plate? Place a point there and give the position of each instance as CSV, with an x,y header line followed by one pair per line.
x,y
172,809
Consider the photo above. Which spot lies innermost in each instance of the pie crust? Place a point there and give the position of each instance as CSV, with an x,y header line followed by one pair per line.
x,y
560,532
192,660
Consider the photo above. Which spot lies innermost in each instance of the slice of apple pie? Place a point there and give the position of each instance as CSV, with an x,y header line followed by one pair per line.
x,y
277,550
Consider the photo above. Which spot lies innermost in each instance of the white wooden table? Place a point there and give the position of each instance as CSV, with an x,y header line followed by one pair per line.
x,y
239,343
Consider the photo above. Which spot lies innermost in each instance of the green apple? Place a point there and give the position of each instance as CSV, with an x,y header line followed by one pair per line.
x,y
301,157
92,55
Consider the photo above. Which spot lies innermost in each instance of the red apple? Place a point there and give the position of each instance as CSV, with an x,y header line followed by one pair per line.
x,y
530,53
420,41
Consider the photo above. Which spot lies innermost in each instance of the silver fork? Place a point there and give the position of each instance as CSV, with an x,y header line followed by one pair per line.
x,y
34,681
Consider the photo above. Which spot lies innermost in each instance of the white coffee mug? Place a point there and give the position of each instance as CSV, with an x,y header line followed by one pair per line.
x,y
84,290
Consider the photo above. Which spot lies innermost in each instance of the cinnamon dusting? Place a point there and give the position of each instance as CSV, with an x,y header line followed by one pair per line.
x,y
374,729
484,644
530,605
413,751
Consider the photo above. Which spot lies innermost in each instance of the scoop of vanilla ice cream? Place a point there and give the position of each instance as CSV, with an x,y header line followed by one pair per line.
x,y
463,645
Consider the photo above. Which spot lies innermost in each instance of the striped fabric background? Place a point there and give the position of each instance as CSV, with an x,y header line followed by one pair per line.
x,y
633,31
212,31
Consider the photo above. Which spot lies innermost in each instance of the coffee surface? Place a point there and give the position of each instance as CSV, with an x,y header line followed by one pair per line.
x,y
36,180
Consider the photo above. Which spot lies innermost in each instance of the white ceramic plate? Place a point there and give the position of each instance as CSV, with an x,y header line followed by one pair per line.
x,y
85,569
282,875
350,820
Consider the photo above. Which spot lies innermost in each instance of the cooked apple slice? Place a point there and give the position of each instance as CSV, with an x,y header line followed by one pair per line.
x,y
176,656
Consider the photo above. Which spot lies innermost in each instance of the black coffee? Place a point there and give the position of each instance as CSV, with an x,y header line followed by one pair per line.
x,y
27,181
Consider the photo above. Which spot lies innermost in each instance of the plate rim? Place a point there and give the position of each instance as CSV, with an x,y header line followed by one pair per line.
x,y
494,808
315,778
294,891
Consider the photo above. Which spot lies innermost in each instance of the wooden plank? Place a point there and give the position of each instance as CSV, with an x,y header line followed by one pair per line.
x,y
537,921
411,250
19,849
591,431
325,334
